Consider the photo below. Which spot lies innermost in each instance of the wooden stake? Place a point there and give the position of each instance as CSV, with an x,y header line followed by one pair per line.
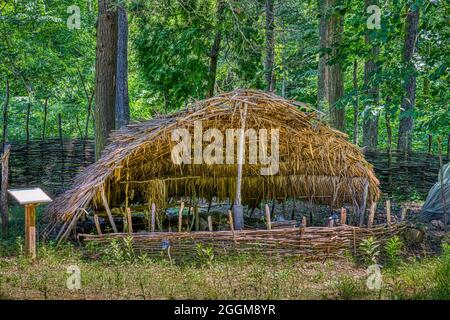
x,y
129,221
153,217
97,224
230,221
197,218
373,208
4,190
180,217
210,226
343,216
268,221
30,230
388,211
303,226
403,214
237,207
362,207
108,211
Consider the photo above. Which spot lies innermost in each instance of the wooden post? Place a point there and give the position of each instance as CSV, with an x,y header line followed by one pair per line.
x,y
180,217
230,221
108,211
268,221
362,207
129,221
388,211
403,213
97,224
373,208
210,226
153,217
303,226
238,210
30,230
343,216
4,188
197,218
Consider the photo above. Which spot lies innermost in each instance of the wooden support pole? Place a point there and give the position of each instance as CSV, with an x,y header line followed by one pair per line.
x,y
108,211
180,216
238,210
231,222
268,220
210,226
97,224
129,221
362,207
4,188
373,208
388,211
303,226
153,217
30,230
403,213
343,216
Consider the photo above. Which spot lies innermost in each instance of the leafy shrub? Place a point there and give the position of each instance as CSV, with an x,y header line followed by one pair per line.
x,y
393,250
370,252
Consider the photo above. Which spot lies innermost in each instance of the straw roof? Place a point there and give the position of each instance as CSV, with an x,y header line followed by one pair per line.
x,y
316,162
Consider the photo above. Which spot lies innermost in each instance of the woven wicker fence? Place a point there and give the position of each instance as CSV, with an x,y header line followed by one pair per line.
x,y
312,243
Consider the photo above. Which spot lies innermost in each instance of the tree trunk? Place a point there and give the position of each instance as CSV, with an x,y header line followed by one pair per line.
x,y
270,45
388,125
372,91
27,123
336,76
4,187
5,115
122,99
214,53
355,103
60,134
322,78
105,71
44,123
409,98
88,115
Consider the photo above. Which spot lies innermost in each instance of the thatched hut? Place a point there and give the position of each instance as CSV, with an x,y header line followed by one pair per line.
x,y
316,162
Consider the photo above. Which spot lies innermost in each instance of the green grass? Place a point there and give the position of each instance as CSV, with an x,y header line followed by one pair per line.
x,y
119,273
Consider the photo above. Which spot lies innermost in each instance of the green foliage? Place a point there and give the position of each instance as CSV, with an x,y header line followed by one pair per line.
x,y
393,248
370,252
204,255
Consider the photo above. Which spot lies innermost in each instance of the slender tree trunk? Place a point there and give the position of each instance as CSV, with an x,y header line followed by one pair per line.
x,y
60,134
336,75
388,125
355,103
372,91
322,79
122,99
4,187
214,53
88,115
44,123
27,123
105,72
270,45
5,115
405,129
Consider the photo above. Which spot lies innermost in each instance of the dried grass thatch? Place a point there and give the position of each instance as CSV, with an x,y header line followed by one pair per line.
x,y
317,163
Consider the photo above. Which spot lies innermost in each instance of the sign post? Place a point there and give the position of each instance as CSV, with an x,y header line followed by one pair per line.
x,y
30,198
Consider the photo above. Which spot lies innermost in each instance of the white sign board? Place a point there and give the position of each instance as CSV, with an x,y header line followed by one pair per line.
x,y
30,196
